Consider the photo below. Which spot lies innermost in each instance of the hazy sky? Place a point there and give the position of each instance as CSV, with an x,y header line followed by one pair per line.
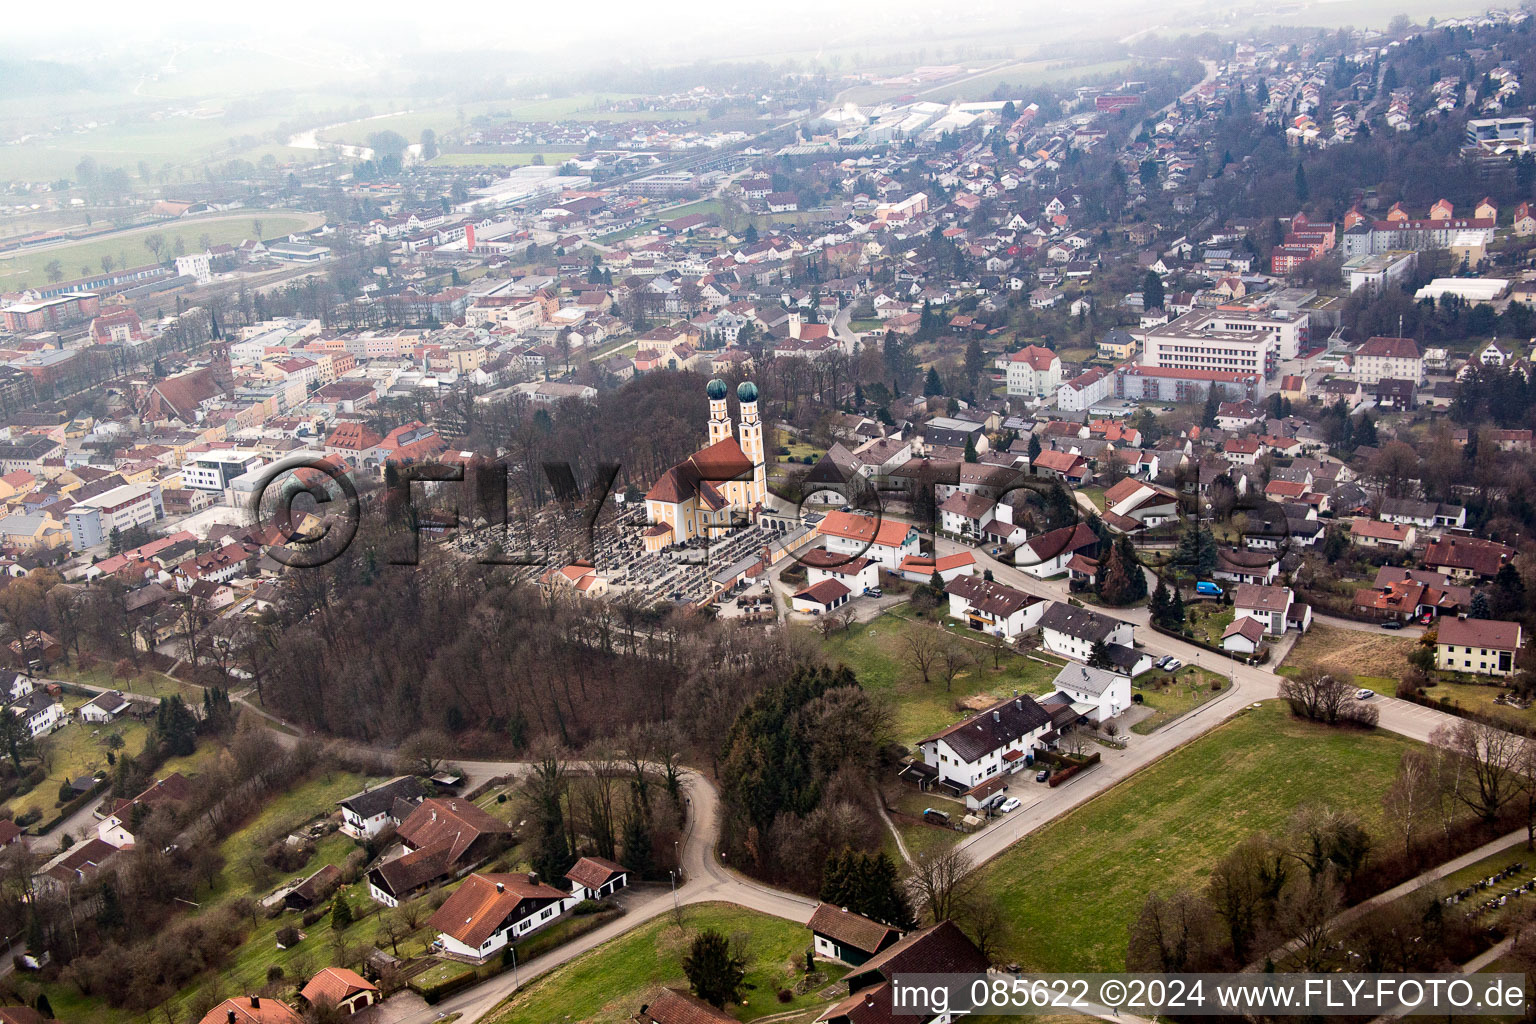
x,y
618,27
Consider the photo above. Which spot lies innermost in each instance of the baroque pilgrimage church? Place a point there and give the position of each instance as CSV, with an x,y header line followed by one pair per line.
x,y
717,487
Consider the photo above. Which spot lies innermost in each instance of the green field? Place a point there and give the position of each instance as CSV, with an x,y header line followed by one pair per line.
x,y
498,159
608,984
874,651
77,259
1073,888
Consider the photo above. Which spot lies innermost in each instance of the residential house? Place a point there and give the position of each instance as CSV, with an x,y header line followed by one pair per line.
x,y
1466,558
1075,632
940,949
863,534
1271,607
1485,647
443,838
985,746
1106,691
366,814
252,1010
991,607
486,912
1047,554
839,934
1370,533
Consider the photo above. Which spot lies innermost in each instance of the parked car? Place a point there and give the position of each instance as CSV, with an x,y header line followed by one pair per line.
x,y
1392,624
1364,694
1206,588
1172,664
1042,775
1011,804
874,592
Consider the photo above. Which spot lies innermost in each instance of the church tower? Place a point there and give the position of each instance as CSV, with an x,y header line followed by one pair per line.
x,y
752,444
719,413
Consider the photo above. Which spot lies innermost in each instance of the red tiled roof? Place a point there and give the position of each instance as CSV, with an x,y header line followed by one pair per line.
x,y
335,984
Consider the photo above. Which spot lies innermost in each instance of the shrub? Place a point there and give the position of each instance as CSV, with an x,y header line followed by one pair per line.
x,y
785,995
31,816
274,973
1215,685
288,936
284,856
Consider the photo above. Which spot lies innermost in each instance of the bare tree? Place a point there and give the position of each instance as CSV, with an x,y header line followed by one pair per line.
x,y
921,649
1412,800
1481,767
954,659
1173,933
944,883
1243,888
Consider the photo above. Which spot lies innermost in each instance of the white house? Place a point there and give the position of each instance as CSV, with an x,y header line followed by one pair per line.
x,y
39,712
488,911
857,574
920,568
981,747
364,815
1109,692
863,534
1272,607
1073,633
593,878
104,707
966,515
1047,554
991,607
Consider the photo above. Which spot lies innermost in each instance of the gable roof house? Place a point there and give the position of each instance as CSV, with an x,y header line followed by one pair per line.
x,y
674,1006
1467,557
118,824
840,934
984,747
1478,646
364,815
1073,633
991,607
444,838
940,949
252,1010
342,988
488,911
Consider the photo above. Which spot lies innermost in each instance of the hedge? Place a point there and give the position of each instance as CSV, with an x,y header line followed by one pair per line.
x,y
102,785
